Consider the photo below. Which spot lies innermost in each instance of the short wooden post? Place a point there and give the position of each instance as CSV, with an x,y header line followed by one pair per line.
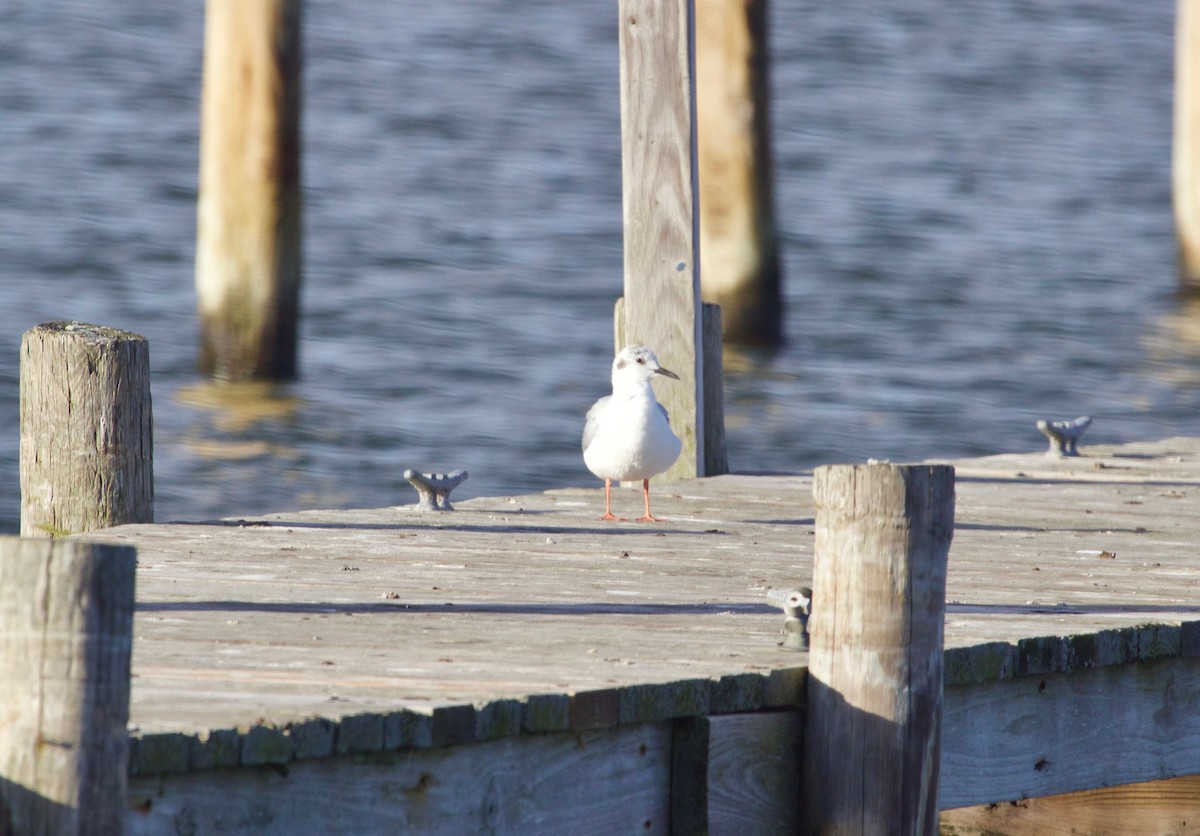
x,y
658,166
738,246
66,627
87,453
716,456
248,247
872,740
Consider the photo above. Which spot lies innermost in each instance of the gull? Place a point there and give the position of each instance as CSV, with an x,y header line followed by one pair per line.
x,y
626,436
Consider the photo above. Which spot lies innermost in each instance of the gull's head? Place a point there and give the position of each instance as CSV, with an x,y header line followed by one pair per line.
x,y
636,363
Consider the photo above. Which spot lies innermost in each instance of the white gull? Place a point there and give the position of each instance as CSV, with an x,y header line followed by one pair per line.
x,y
626,435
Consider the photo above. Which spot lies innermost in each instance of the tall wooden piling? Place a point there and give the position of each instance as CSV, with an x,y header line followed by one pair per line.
x,y
873,721
738,242
66,625
1185,151
248,245
87,452
658,167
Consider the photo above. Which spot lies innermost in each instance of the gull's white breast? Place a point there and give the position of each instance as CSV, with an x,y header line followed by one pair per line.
x,y
630,439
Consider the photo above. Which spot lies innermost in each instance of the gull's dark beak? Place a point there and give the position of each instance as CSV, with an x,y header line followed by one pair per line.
x,y
666,373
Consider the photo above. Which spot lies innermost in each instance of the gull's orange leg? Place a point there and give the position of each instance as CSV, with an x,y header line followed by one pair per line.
x,y
646,494
608,514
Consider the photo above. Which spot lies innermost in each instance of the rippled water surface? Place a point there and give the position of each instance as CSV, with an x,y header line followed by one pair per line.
x,y
974,200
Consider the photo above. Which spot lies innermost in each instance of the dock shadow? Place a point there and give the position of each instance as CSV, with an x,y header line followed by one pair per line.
x,y
1004,610
397,607
466,528
1099,480
867,769
1034,529
24,810
794,521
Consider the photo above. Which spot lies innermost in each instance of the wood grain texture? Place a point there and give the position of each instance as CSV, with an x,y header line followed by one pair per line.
x,y
875,670
87,453
248,243
736,774
1170,806
66,618
753,760
1060,733
611,781
740,257
661,217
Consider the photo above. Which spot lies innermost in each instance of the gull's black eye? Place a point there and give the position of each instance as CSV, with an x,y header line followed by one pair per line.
x,y
642,360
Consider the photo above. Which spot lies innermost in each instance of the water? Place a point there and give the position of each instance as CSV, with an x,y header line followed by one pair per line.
x,y
974,200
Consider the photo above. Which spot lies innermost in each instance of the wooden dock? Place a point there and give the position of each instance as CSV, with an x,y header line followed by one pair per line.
x,y
279,660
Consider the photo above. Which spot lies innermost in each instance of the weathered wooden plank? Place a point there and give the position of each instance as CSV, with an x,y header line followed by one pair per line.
x,y
1034,736
264,742
66,615
873,718
661,217
753,760
87,454
1147,809
610,781
736,773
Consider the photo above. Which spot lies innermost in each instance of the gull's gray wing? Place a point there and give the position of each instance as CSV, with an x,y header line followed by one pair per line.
x,y
591,424
663,410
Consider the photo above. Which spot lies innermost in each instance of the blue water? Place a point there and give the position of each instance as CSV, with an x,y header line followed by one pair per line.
x,y
973,198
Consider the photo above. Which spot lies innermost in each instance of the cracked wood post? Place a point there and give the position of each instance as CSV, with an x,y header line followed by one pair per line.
x,y
66,627
873,726
738,241
661,217
87,453
248,243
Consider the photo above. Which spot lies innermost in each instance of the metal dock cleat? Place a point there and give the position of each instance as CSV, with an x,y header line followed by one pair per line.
x,y
434,488
1064,435
797,606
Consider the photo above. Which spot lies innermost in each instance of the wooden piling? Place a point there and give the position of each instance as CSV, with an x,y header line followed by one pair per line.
x,y
716,456
66,625
248,246
87,453
873,721
1185,150
738,242
661,218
